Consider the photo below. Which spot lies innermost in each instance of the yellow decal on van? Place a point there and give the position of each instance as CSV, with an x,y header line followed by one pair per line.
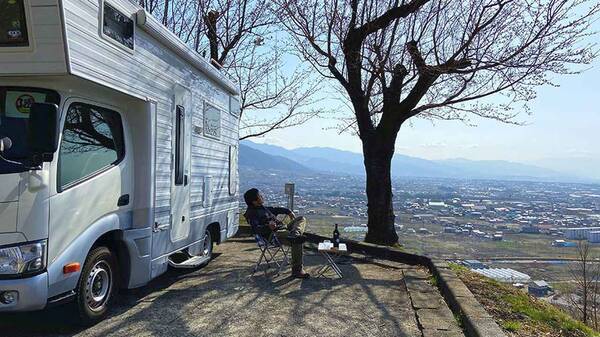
x,y
23,103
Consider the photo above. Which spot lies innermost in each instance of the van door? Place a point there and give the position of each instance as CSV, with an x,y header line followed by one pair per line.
x,y
92,175
180,177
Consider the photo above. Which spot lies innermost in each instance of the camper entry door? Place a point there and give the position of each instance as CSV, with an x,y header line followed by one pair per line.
x,y
180,182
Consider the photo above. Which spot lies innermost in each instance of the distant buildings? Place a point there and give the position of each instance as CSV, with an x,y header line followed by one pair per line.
x,y
539,288
478,233
504,275
450,230
530,229
563,243
437,205
423,217
594,237
474,264
581,233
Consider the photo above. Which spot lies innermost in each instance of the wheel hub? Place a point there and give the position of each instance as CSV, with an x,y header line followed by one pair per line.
x,y
98,286
207,244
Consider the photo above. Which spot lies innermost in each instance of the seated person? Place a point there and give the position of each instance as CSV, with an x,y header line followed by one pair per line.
x,y
264,221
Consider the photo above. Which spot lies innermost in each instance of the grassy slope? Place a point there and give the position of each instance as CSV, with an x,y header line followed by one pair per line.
x,y
518,313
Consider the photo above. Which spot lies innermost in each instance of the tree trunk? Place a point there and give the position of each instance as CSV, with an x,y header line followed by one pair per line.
x,y
378,152
166,14
211,32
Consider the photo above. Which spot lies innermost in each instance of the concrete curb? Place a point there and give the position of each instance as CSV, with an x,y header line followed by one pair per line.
x,y
476,321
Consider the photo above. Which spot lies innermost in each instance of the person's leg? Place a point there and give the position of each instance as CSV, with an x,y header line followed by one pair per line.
x,y
297,257
297,226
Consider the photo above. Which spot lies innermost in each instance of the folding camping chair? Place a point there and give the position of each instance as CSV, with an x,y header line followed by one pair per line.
x,y
270,249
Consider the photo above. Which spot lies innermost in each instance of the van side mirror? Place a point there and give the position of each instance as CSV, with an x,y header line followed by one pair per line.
x,y
43,132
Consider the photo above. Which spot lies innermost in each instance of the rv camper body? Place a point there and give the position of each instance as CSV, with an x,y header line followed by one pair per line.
x,y
146,161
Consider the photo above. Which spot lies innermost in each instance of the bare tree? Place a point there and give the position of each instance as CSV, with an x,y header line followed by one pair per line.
x,y
241,38
89,129
585,274
595,297
435,59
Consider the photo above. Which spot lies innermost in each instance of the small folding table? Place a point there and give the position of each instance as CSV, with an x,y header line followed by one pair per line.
x,y
331,255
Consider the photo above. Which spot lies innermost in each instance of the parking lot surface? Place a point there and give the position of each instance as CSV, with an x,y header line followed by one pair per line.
x,y
375,298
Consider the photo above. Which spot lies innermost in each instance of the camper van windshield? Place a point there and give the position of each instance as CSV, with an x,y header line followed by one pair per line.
x,y
13,25
15,104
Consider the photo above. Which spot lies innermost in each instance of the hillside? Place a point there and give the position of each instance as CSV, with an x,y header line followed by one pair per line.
x,y
519,314
329,160
254,159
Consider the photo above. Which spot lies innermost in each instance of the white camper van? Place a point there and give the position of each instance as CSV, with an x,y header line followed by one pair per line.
x,y
118,153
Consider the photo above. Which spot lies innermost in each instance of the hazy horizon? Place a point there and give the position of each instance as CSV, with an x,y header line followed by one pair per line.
x,y
537,171
561,133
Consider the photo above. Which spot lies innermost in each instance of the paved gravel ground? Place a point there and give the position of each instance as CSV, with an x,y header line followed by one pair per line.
x,y
223,299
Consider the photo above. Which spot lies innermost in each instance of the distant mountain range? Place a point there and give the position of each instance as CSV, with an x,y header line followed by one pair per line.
x,y
329,160
255,159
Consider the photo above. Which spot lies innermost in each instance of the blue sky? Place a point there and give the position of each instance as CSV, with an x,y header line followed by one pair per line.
x,y
565,122
562,133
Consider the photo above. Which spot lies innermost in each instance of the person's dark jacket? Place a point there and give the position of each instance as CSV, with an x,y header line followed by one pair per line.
x,y
259,218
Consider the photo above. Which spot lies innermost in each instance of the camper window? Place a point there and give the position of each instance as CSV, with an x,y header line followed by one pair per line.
x,y
92,142
212,122
13,24
179,145
117,26
234,106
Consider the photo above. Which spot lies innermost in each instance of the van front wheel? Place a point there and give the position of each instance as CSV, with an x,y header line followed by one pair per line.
x,y
97,285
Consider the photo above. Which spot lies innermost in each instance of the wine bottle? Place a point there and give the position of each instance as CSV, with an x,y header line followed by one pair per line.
x,y
336,237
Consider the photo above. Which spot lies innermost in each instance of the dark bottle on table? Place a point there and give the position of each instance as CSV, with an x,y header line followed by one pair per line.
x,y
336,237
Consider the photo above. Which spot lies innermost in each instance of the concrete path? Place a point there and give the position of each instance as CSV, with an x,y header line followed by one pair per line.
x,y
376,298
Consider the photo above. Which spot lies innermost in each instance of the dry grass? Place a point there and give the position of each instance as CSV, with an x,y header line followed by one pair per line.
x,y
519,314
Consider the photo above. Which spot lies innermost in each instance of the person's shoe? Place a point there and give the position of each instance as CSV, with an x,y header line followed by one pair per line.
x,y
300,274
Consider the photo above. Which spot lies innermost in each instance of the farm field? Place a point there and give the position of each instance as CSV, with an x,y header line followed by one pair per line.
x,y
532,254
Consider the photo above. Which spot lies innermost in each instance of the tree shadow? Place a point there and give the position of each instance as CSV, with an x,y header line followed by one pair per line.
x,y
223,299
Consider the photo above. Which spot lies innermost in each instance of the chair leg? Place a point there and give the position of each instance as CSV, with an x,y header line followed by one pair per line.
x,y
278,264
269,254
284,263
260,259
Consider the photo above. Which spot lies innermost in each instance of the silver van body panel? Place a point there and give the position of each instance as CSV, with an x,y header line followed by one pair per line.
x,y
156,72
46,53
142,85
138,243
58,281
33,293
11,238
10,187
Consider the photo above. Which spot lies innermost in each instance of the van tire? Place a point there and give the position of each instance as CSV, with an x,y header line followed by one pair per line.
x,y
97,286
208,246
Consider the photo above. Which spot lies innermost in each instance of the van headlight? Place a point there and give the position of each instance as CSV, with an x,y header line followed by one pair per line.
x,y
23,259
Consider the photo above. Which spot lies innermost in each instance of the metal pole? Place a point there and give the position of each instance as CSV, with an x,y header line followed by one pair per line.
x,y
290,191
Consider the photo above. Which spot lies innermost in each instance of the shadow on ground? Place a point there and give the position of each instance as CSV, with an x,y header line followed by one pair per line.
x,y
223,299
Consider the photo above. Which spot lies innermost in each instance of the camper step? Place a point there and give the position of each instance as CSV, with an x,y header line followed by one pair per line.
x,y
192,262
